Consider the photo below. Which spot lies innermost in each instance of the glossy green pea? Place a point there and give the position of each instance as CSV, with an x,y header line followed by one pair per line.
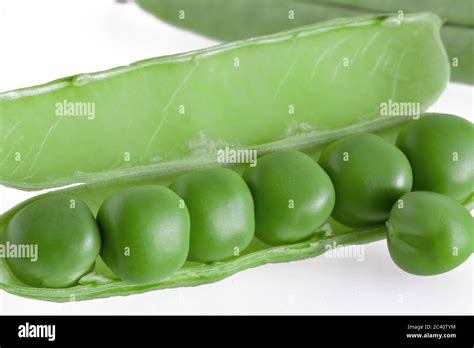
x,y
145,233
66,236
293,196
429,233
369,175
440,149
221,208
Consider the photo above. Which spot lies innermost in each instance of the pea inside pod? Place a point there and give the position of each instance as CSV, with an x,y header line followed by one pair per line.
x,y
429,233
221,209
440,148
293,196
145,233
369,175
62,240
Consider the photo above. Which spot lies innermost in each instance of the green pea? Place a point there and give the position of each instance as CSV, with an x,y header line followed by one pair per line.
x,y
293,196
440,149
145,233
221,208
65,235
369,175
429,233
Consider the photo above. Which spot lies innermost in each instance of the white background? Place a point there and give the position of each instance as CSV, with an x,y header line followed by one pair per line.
x,y
44,40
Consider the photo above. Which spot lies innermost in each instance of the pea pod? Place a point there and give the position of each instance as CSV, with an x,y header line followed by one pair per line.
x,y
455,11
171,113
239,19
103,283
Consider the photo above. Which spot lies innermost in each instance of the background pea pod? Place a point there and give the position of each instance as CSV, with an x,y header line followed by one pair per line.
x,y
455,11
174,112
238,19
103,283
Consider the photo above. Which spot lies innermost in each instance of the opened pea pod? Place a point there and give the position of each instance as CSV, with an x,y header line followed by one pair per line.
x,y
148,231
174,223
